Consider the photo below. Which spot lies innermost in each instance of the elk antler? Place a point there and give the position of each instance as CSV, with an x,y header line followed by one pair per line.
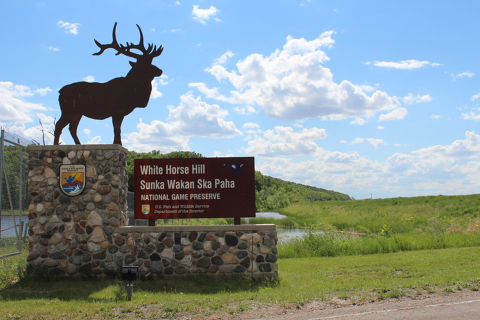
x,y
148,53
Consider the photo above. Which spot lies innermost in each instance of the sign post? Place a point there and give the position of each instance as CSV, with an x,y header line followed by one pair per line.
x,y
194,188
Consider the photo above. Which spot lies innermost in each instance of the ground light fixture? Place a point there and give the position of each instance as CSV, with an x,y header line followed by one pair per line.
x,y
129,273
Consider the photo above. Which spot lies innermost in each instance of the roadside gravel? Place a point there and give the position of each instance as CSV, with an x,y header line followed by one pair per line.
x,y
452,305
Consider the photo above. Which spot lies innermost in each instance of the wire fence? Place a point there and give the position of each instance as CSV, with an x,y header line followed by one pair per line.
x,y
13,192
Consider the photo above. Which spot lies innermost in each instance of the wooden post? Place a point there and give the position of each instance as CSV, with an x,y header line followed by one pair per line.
x,y
151,222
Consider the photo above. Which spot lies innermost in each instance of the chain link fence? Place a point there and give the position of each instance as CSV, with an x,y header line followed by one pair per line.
x,y
13,192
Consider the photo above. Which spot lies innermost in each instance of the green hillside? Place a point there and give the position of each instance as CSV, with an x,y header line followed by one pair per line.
x,y
270,193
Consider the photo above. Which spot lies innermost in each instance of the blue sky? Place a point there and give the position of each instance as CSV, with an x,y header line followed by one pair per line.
x,y
368,98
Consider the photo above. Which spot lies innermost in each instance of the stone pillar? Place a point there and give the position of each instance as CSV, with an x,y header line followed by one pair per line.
x,y
68,234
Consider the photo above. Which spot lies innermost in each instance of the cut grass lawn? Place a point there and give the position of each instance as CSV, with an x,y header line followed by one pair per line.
x,y
360,278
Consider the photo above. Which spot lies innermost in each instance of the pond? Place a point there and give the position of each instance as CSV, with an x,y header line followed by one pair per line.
x,y
284,234
6,225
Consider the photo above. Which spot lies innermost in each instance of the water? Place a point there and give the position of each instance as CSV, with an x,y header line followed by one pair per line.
x,y
285,234
7,225
274,215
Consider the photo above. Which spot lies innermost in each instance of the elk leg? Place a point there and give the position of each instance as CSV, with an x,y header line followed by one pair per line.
x,y
73,128
117,123
61,123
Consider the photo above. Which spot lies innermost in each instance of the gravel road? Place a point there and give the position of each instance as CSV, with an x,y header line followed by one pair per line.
x,y
463,305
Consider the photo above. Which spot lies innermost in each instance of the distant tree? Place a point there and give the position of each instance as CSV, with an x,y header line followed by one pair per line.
x,y
11,177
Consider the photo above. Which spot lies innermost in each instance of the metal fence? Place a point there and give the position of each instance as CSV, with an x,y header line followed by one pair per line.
x,y
13,192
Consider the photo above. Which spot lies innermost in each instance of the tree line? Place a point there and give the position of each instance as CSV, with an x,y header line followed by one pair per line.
x,y
270,193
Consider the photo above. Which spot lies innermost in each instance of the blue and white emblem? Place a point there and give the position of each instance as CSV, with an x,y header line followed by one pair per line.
x,y
72,179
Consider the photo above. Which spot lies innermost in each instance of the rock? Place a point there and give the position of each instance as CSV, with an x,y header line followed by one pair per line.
x,y
217,260
120,241
185,242
93,247
265,267
157,267
207,246
204,262
227,268
97,235
231,240
49,173
271,258
229,258
91,172
42,220
167,254
187,250
251,238
94,219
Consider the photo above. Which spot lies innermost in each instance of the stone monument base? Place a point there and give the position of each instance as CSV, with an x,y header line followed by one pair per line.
x,y
86,235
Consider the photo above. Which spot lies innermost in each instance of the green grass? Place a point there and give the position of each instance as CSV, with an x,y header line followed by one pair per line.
x,y
396,215
335,244
371,250
359,278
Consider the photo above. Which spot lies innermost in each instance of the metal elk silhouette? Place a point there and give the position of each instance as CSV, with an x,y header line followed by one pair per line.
x,y
115,98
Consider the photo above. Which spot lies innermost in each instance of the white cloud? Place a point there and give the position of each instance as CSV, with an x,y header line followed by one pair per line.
x,y
476,96
195,117
359,121
404,64
460,149
43,91
95,140
87,131
44,118
69,27
397,114
89,79
157,135
465,75
446,169
250,125
245,110
54,49
204,15
292,84
155,92
192,117
411,99
223,58
471,116
284,141
358,140
14,110
435,116
376,142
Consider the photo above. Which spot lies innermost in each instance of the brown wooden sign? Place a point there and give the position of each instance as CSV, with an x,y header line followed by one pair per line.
x,y
194,188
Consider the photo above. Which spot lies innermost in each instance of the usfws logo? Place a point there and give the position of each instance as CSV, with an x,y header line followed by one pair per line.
x,y
72,179
145,208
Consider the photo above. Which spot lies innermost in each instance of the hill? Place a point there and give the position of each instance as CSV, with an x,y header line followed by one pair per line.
x,y
270,193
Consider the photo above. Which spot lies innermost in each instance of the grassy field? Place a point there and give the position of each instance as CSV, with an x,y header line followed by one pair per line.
x,y
345,272
358,278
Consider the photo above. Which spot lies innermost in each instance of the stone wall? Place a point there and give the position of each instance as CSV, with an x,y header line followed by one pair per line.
x,y
87,235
